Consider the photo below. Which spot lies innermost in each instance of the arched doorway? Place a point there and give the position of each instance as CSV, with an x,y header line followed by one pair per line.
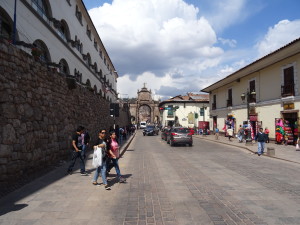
x,y
144,113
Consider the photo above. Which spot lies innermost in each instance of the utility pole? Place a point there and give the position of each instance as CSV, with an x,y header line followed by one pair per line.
x,y
15,23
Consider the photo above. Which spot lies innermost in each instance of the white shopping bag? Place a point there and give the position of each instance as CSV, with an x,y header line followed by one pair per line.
x,y
97,157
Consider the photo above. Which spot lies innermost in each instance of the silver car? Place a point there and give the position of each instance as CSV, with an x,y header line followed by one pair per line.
x,y
180,135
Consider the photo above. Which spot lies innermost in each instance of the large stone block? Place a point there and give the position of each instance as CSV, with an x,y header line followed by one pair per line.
x,y
8,135
6,151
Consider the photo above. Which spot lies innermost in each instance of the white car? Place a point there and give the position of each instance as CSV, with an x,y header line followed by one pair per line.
x,y
143,125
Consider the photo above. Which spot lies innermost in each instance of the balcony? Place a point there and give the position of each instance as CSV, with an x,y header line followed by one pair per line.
x,y
213,106
287,90
229,102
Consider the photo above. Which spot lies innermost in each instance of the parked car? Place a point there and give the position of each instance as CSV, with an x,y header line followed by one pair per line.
x,y
164,133
180,135
150,130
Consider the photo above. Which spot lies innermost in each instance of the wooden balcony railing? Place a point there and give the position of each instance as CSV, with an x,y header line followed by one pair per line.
x,y
287,90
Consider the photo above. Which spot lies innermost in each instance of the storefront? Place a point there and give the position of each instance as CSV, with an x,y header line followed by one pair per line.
x,y
287,127
229,123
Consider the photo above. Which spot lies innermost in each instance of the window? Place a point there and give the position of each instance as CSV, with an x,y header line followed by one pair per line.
x,y
78,15
64,68
63,30
101,54
288,87
42,51
6,25
104,60
42,8
252,97
95,44
229,100
78,76
214,103
88,32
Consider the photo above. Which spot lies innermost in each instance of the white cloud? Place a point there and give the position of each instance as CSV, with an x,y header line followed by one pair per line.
x,y
230,42
225,13
156,40
281,34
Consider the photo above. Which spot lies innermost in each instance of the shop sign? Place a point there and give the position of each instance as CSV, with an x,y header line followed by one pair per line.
x,y
288,106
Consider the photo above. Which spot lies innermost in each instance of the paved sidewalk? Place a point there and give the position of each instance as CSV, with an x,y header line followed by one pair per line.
x,y
282,152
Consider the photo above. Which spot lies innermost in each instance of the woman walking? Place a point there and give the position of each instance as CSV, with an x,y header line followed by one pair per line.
x,y
113,153
101,142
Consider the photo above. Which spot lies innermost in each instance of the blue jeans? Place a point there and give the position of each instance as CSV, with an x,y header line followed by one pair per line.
x,y
240,137
116,165
84,147
101,169
261,147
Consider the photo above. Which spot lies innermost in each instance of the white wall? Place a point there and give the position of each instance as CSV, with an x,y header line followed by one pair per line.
x,y
31,28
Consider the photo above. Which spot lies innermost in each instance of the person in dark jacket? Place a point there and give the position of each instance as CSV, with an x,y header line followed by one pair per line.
x,y
77,142
261,140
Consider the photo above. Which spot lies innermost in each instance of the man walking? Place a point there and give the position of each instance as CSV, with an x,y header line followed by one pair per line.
x,y
261,140
77,143
85,142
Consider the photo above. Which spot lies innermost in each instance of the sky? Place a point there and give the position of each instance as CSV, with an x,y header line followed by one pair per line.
x,y
180,46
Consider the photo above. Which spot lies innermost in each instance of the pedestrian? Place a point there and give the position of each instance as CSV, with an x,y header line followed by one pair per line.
x,y
114,154
217,133
267,135
85,142
77,143
261,140
240,133
101,142
230,133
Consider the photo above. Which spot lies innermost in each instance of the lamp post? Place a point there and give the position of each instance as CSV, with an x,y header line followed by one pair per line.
x,y
247,96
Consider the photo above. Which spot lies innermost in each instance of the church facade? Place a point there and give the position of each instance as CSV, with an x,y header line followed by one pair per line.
x,y
144,108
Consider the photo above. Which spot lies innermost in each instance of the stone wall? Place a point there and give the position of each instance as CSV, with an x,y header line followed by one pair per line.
x,y
39,114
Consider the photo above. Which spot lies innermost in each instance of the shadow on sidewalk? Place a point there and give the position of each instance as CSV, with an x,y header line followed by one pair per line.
x,y
42,179
12,207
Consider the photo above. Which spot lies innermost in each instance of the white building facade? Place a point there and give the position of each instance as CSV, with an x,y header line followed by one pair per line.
x,y
263,94
190,111
60,33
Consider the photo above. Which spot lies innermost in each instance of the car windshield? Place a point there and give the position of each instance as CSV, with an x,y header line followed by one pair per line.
x,y
181,130
150,127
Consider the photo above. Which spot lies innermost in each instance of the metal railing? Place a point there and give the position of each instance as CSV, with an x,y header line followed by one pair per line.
x,y
287,90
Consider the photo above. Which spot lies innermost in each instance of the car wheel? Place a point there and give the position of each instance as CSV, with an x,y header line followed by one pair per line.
x,y
171,143
191,144
144,134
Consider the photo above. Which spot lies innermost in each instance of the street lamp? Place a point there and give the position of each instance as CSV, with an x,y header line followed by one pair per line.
x,y
248,96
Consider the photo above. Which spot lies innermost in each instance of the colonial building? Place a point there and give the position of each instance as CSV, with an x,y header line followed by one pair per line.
x,y
191,110
62,36
144,108
264,93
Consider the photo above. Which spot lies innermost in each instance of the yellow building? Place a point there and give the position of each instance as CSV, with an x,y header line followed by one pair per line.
x,y
264,93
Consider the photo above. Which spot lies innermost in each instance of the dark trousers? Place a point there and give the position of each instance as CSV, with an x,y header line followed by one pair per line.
x,y
74,156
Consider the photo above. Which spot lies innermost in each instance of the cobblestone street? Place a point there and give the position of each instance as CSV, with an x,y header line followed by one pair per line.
x,y
209,183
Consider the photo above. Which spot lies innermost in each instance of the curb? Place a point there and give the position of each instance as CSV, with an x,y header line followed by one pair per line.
x,y
274,157
123,149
